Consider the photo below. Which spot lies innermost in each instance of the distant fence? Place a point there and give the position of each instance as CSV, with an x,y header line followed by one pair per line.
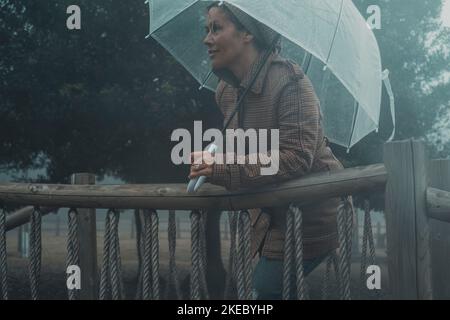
x,y
415,190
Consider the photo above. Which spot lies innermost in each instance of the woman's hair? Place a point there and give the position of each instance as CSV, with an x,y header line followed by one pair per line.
x,y
229,15
239,26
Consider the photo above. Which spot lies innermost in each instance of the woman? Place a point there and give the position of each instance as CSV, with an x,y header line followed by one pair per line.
x,y
283,98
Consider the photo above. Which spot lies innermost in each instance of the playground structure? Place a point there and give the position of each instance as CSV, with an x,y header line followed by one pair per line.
x,y
417,212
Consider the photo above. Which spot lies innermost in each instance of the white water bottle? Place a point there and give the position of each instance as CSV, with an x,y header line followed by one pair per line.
x,y
195,183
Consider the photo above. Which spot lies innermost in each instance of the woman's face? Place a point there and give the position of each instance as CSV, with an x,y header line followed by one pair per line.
x,y
225,43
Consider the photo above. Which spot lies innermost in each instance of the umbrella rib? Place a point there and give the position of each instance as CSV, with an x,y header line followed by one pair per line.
x,y
206,79
355,115
335,30
170,20
307,63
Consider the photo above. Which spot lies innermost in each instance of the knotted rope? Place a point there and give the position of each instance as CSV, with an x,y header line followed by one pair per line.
x,y
35,252
3,256
231,275
367,242
288,262
345,227
140,253
244,257
150,268
111,273
173,273
198,259
302,293
293,255
332,259
72,246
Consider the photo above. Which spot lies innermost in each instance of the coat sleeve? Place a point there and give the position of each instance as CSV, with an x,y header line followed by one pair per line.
x,y
299,132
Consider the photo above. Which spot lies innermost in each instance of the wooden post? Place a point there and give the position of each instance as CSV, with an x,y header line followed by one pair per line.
x,y
87,235
439,172
132,226
407,228
227,228
380,237
24,234
19,238
57,224
215,272
178,225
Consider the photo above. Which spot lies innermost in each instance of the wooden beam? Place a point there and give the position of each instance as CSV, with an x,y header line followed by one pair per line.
x,y
87,241
407,226
310,188
438,204
22,216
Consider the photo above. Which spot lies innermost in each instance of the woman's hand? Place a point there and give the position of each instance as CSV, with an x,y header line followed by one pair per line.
x,y
202,163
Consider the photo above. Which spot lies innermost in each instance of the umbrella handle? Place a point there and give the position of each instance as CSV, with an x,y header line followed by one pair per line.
x,y
194,184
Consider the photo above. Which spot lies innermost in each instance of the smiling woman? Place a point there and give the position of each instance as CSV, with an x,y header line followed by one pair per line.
x,y
226,36
258,89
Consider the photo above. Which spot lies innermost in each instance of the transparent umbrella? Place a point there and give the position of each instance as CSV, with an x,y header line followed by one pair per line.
x,y
328,38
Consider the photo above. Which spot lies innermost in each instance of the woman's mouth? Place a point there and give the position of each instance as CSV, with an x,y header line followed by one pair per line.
x,y
212,52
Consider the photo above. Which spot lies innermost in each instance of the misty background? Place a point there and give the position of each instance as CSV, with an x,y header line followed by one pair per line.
x,y
105,100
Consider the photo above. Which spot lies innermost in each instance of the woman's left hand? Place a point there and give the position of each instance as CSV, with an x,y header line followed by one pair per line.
x,y
202,163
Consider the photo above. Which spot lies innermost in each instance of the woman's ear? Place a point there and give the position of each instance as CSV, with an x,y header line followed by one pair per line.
x,y
248,37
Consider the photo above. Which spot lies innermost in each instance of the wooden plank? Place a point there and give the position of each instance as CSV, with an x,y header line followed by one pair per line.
x,y
57,225
421,181
215,271
22,216
19,238
400,223
439,173
438,204
133,224
87,236
380,237
310,188
406,220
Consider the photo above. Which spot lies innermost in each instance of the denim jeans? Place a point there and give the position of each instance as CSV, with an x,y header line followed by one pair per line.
x,y
268,277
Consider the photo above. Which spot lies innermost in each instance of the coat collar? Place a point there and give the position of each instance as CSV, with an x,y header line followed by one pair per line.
x,y
227,76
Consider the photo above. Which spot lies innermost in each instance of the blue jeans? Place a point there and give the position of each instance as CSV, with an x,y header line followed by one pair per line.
x,y
268,277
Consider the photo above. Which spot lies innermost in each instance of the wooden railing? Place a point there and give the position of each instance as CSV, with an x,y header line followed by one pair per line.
x,y
412,185
312,188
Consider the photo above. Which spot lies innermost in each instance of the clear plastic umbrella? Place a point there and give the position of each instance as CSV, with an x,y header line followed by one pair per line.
x,y
329,38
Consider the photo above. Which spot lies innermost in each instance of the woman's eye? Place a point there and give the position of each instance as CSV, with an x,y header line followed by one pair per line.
x,y
215,28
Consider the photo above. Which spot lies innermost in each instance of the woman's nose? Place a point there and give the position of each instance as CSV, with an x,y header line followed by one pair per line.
x,y
207,39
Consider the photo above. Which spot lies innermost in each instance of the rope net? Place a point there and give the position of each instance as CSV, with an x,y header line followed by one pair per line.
x,y
337,274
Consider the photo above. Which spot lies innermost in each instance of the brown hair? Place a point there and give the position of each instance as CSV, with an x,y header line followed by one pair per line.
x,y
239,26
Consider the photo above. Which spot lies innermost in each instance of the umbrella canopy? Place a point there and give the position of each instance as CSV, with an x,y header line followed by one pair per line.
x,y
328,38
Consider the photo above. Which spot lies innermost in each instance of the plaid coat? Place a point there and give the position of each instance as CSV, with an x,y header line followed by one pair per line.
x,y
283,98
